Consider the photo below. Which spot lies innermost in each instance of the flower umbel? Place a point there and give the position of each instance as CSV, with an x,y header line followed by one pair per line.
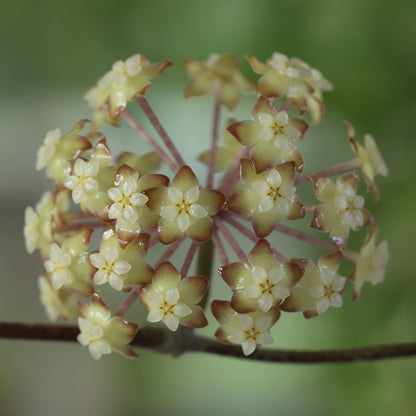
x,y
123,207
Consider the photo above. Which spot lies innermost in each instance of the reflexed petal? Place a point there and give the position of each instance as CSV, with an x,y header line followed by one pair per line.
x,y
201,229
192,289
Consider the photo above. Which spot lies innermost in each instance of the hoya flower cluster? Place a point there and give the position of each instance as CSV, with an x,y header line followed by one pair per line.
x,y
106,212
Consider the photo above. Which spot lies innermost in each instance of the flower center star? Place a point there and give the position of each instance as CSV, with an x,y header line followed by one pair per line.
x,y
183,207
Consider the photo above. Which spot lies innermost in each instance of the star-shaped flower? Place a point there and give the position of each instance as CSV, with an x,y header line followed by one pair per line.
x,y
68,264
173,300
184,208
82,182
58,303
272,136
372,162
103,333
40,222
124,82
294,79
249,330
319,288
371,263
342,208
121,267
58,152
266,197
262,283
219,71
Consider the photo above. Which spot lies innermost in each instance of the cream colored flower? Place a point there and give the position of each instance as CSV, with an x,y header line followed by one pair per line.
x,y
103,333
126,200
183,207
342,209
173,300
82,182
250,330
58,265
47,150
319,288
371,263
110,268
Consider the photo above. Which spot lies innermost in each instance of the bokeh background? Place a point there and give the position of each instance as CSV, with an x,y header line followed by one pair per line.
x,y
52,52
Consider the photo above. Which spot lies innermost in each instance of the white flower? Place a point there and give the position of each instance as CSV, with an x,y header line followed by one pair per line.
x,y
92,335
349,206
82,181
47,150
126,199
327,291
58,265
110,269
273,194
379,263
183,207
166,308
293,67
49,298
268,287
30,230
252,333
278,129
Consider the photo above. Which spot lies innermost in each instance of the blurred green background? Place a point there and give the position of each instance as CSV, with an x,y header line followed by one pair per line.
x,y
52,52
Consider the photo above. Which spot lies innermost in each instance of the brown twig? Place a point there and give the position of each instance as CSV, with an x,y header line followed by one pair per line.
x,y
160,340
